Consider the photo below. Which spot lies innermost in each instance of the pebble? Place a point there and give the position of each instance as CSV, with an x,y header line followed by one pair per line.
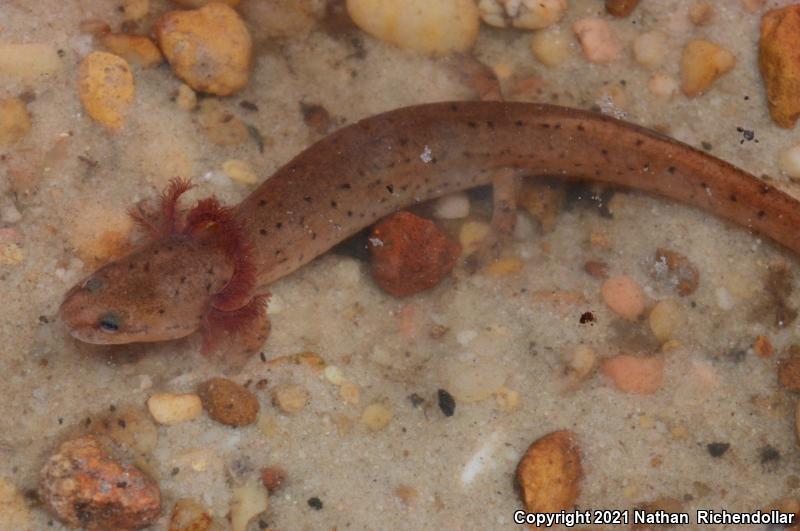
x,y
272,478
663,86
453,206
221,126
188,515
702,63
550,472
376,416
581,362
84,486
208,48
624,296
763,347
790,161
334,374
597,40
413,254
290,398
701,13
105,87
551,47
665,319
621,8
169,408
350,393
240,171
11,254
15,122
135,9
14,513
650,48
30,62
677,270
522,14
247,502
777,61
725,300
281,19
635,374
472,233
200,3
438,28
507,399
136,49
228,402
789,370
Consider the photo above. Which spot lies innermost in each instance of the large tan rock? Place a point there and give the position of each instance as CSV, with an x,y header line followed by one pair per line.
x,y
779,62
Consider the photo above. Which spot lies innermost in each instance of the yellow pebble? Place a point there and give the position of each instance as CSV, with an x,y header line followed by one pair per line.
x,y
665,319
105,87
239,171
290,398
350,393
376,416
15,122
471,234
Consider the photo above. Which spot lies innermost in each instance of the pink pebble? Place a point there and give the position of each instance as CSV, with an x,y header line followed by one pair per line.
x,y
635,374
624,296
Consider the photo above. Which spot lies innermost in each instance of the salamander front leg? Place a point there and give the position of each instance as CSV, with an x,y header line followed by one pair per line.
x,y
233,336
506,184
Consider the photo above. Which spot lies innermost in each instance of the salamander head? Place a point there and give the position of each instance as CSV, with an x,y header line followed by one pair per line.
x,y
157,293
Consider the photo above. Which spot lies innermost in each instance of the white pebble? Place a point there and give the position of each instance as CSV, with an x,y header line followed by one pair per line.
x,y
790,161
551,47
724,299
275,305
453,206
523,14
334,375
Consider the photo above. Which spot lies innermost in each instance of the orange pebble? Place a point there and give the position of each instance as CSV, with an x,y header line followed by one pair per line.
x,y
635,374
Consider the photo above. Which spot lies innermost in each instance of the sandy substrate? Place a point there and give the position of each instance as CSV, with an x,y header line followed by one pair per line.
x,y
412,474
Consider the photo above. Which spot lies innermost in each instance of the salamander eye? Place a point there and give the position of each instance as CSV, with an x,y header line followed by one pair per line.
x,y
109,323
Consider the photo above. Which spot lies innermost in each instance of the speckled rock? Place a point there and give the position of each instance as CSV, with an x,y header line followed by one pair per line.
x,y
410,254
228,402
105,86
780,68
86,487
209,48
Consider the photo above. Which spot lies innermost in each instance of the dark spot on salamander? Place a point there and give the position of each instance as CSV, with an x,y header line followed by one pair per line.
x,y
349,213
732,197
519,123
765,188
307,199
183,279
263,232
261,202
604,151
490,125
672,169
147,266
345,186
472,125
761,214
334,204
208,287
161,311
639,142
210,271
279,225
390,188
581,128
544,125
404,141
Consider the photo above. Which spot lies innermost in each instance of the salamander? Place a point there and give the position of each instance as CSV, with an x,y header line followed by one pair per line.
x,y
203,269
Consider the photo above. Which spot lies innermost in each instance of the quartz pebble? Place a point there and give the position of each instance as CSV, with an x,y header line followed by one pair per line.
x,y
29,62
522,14
581,362
105,87
15,122
136,49
635,374
453,206
551,47
624,296
14,513
247,502
663,86
290,398
86,487
438,28
169,408
209,48
665,319
702,63
239,171
376,416
135,9
597,40
649,49
186,99
780,70
228,402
